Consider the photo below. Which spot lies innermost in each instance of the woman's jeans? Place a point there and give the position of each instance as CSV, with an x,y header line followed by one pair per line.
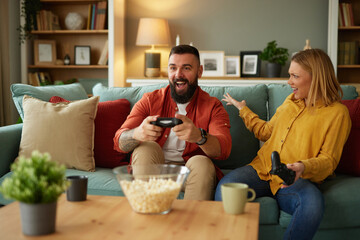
x,y
303,200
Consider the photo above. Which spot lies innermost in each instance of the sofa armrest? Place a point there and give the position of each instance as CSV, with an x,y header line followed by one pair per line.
x,y
10,137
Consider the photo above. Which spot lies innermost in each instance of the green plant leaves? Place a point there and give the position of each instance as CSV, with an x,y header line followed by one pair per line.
x,y
274,54
29,9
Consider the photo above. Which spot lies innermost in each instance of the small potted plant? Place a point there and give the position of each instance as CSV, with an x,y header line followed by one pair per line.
x,y
36,182
276,57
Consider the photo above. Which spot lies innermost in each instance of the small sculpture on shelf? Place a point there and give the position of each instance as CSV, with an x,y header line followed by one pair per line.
x,y
74,21
307,44
67,59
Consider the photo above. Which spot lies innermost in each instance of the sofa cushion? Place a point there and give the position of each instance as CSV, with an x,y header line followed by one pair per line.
x,y
244,143
342,198
70,92
133,94
278,93
109,118
111,115
350,158
65,130
269,211
9,146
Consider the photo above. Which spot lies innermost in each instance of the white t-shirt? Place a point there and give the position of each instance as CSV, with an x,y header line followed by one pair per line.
x,y
174,147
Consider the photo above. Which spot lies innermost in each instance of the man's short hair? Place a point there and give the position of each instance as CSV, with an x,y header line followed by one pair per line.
x,y
182,49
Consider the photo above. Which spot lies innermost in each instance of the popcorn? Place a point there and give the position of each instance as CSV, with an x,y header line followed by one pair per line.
x,y
153,196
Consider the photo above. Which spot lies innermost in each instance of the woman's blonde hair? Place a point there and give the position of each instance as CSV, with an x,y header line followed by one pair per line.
x,y
324,85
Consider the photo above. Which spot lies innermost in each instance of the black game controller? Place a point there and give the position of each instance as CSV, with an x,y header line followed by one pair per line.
x,y
281,170
166,122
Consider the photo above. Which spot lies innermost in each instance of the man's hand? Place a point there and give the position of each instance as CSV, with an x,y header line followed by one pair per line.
x,y
130,139
187,131
147,131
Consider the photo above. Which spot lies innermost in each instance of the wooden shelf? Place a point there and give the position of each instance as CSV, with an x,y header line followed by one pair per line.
x,y
69,66
348,66
350,28
216,78
71,32
69,1
210,81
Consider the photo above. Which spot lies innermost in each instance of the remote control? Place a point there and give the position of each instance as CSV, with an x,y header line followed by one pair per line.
x,y
167,122
281,170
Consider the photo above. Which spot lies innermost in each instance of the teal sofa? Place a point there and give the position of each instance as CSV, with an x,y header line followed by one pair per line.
x,y
342,195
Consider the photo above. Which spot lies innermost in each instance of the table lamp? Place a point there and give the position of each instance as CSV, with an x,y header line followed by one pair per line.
x,y
152,32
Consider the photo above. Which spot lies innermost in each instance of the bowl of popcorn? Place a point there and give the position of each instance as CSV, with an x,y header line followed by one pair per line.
x,y
151,189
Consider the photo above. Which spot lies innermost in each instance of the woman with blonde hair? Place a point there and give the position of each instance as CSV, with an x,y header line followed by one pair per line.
x,y
308,131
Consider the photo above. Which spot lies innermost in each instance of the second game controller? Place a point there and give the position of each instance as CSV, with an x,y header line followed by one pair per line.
x,y
281,170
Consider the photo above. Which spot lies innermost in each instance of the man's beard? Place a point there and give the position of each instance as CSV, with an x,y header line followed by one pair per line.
x,y
184,98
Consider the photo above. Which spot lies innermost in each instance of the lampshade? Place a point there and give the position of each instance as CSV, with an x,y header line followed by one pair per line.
x,y
153,32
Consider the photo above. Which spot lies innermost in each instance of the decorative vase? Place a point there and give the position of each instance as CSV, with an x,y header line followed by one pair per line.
x,y
38,219
74,21
273,70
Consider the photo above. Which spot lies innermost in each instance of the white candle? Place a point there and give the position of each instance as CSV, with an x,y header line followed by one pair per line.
x,y
177,40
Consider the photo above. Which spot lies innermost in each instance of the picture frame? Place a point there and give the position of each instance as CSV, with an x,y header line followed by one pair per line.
x,y
250,63
232,66
213,63
82,55
44,52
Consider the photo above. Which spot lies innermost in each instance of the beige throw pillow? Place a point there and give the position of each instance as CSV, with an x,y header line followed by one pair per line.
x,y
65,130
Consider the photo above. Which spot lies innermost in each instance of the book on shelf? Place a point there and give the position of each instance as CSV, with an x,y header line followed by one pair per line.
x,y
47,20
97,16
93,16
340,17
351,14
32,79
341,49
104,54
346,15
348,53
101,15
39,78
354,53
88,26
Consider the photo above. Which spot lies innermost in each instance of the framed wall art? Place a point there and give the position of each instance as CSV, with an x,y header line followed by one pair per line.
x,y
44,52
213,63
250,63
232,66
82,55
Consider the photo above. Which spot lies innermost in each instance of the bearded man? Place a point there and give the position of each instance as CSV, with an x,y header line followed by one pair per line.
x,y
204,133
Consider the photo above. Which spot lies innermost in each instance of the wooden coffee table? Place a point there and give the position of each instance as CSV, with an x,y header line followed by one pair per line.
x,y
106,217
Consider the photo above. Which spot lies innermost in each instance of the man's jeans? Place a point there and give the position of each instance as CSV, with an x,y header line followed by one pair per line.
x,y
303,200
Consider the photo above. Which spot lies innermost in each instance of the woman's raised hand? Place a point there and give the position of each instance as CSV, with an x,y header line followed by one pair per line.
x,y
231,101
